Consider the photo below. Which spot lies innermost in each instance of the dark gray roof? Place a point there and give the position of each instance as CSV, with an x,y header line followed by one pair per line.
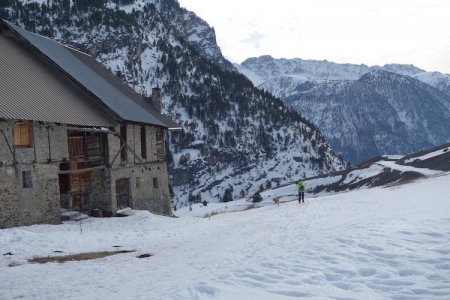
x,y
32,89
112,96
124,88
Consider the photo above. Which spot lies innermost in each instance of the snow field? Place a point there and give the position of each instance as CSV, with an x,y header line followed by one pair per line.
x,y
380,243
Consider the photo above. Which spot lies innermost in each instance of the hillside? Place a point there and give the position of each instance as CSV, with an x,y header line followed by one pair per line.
x,y
380,113
363,111
386,170
382,171
236,139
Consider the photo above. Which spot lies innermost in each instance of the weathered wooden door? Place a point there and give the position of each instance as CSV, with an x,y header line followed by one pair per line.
x,y
80,202
123,193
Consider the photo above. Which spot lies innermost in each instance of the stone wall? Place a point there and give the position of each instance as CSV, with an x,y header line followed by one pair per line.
x,y
26,206
6,157
140,175
101,191
39,202
151,141
143,193
134,141
58,148
114,148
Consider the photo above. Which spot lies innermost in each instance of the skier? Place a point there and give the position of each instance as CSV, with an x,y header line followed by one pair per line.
x,y
300,185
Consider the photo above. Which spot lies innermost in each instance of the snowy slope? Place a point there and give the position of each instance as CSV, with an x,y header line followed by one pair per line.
x,y
409,70
435,79
379,243
386,170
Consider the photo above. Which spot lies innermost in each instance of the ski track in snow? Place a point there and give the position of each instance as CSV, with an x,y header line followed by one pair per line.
x,y
380,243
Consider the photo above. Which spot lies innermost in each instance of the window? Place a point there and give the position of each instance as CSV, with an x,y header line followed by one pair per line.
x,y
160,150
123,140
138,182
27,179
155,182
23,134
143,143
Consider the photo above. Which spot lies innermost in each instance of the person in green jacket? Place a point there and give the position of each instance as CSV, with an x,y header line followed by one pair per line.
x,y
300,185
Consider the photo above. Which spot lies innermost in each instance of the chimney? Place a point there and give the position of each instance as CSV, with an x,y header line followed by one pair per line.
x,y
156,98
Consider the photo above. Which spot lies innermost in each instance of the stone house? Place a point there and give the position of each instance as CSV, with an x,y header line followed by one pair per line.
x,y
74,136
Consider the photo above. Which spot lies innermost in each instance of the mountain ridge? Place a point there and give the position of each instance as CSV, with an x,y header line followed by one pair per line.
x,y
331,94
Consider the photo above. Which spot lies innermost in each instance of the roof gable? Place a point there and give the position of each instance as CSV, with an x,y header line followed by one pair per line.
x,y
110,95
32,89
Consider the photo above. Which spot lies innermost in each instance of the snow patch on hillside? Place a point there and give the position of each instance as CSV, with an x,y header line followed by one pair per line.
x,y
392,165
428,155
360,174
257,80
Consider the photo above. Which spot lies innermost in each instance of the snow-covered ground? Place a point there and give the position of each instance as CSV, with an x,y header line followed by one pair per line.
x,y
379,243
428,155
394,166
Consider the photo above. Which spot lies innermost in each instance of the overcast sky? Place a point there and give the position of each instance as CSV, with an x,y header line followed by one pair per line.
x,y
346,31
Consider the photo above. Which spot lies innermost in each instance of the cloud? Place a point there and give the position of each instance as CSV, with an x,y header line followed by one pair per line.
x,y
374,11
254,39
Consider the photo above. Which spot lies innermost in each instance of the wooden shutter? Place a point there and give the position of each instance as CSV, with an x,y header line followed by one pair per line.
x,y
76,147
123,140
23,134
143,143
93,146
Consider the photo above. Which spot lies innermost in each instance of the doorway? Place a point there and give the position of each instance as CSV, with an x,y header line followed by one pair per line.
x,y
123,193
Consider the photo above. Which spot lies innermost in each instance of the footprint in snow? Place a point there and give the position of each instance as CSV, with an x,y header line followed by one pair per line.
x,y
433,234
370,247
408,272
206,289
367,272
294,294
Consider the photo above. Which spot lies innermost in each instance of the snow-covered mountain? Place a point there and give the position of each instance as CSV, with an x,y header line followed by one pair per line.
x,y
435,79
280,76
363,111
407,70
236,139
194,29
